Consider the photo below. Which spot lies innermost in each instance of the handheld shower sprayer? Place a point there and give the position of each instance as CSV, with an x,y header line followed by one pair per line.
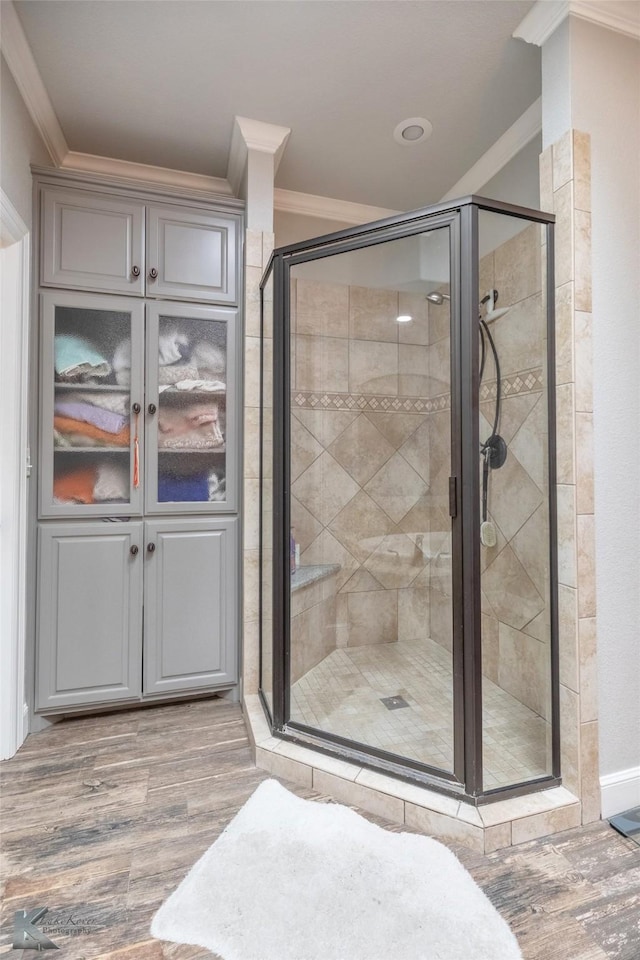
x,y
493,451
493,313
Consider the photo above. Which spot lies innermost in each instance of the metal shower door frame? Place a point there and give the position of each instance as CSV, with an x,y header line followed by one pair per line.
x,y
461,219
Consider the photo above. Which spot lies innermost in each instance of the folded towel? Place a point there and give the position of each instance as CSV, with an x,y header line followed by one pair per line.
x,y
75,486
183,489
177,371
112,483
85,434
87,412
77,359
115,402
194,425
202,386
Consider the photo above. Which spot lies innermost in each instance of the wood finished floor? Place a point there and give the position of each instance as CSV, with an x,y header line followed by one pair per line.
x,y
103,816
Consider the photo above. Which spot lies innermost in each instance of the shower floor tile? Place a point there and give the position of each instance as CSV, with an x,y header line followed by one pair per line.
x,y
342,695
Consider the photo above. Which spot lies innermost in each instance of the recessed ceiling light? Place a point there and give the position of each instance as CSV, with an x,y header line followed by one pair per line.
x,y
412,131
403,318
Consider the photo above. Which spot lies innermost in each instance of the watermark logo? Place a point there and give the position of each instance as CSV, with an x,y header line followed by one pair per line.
x,y
33,929
26,935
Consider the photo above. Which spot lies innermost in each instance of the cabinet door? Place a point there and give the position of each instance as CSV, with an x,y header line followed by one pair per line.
x,y
91,385
190,621
191,255
89,648
192,409
92,242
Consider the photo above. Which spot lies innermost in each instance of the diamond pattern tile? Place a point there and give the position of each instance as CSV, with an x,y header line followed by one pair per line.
x,y
361,449
396,487
324,488
361,526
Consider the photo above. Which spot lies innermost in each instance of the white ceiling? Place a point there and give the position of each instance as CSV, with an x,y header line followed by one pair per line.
x,y
160,81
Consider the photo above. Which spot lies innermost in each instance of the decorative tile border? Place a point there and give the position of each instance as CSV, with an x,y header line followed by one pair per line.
x,y
358,401
525,381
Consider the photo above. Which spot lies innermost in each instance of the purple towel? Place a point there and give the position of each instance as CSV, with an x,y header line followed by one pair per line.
x,y
88,413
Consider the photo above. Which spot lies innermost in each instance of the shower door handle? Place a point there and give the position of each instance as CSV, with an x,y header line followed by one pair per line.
x,y
453,497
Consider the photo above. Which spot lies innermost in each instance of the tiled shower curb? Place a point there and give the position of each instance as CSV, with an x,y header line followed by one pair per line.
x,y
484,829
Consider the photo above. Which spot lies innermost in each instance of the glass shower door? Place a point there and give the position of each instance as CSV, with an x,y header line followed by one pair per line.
x,y
371,636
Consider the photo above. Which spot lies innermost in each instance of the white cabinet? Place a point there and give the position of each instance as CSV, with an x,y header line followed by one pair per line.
x,y
93,241
95,580
190,605
190,255
138,466
89,634
139,407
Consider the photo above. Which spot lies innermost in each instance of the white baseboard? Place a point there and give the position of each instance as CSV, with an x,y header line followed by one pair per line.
x,y
620,791
24,731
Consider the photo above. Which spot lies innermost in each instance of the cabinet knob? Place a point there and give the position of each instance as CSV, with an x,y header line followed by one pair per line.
x,y
151,547
135,271
136,408
152,408
153,274
133,550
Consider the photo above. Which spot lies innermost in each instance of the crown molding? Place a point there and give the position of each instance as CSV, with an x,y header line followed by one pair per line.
x,y
144,173
541,21
253,135
17,53
12,226
498,156
326,208
612,14
546,15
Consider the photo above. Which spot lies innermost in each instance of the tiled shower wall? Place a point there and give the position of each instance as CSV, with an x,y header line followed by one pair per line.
x,y
515,572
565,189
371,461
369,486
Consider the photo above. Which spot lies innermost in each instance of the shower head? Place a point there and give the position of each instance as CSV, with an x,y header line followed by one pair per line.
x,y
490,299
436,297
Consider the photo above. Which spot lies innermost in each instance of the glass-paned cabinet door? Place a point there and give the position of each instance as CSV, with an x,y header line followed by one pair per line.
x,y
191,409
91,418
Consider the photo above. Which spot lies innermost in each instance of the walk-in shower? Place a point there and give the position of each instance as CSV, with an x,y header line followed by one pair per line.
x,y
408,613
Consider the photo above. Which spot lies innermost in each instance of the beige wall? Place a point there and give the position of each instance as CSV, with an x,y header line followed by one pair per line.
x,y
20,145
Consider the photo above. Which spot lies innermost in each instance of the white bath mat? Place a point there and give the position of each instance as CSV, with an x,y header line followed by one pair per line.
x,y
293,879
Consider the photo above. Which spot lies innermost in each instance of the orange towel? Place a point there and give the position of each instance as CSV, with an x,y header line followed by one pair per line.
x,y
68,427
75,487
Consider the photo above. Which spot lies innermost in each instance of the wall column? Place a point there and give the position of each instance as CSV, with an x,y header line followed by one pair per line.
x,y
589,179
256,150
